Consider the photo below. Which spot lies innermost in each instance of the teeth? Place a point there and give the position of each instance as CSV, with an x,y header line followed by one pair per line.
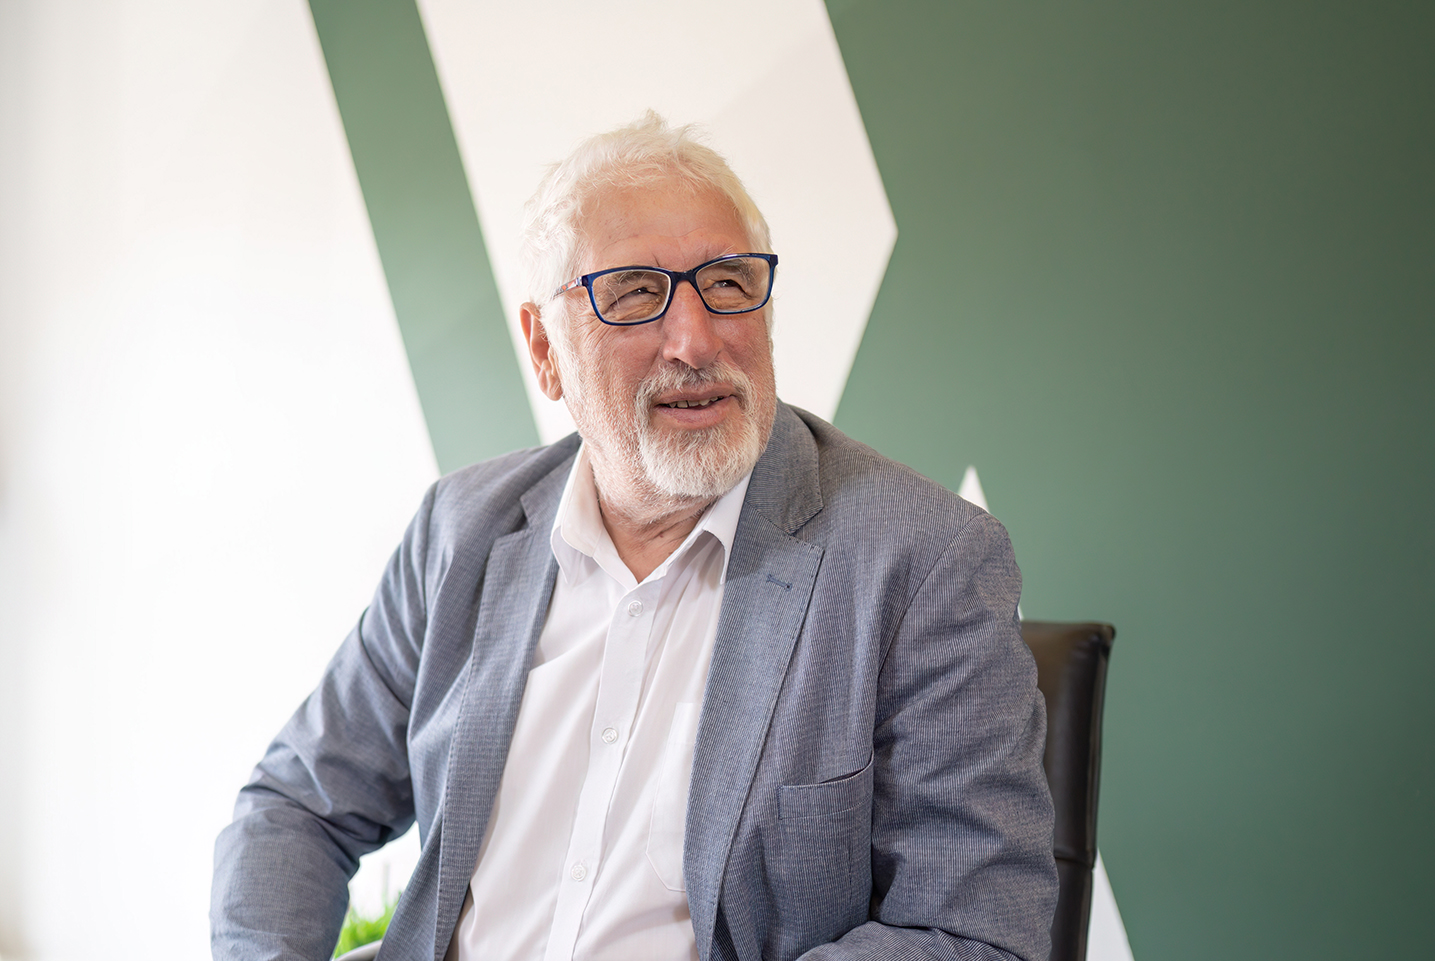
x,y
684,404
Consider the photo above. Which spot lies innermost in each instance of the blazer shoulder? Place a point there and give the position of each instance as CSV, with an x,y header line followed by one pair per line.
x,y
860,485
486,499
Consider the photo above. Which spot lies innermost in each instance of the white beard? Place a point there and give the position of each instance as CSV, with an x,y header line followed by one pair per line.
x,y
663,467
704,464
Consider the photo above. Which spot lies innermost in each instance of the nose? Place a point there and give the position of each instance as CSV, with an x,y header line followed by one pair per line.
x,y
690,333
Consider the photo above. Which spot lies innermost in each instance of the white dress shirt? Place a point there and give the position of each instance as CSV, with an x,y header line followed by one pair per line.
x,y
583,856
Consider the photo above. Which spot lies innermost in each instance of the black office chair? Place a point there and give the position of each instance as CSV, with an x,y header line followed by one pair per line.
x,y
1071,672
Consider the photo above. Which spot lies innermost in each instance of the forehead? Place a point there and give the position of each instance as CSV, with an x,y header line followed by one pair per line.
x,y
665,224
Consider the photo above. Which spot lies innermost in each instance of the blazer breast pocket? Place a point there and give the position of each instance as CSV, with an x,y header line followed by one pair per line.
x,y
820,856
828,798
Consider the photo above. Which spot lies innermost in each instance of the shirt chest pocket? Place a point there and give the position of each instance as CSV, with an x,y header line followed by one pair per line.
x,y
670,798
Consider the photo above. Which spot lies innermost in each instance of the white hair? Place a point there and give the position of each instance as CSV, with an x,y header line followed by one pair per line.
x,y
634,155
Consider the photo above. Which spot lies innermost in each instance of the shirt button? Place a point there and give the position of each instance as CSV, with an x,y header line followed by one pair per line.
x,y
635,608
579,872
609,735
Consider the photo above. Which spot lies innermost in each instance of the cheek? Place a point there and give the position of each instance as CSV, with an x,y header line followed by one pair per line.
x,y
753,353
627,358
615,378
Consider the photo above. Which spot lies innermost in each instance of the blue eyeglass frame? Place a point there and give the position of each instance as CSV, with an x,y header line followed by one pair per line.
x,y
674,278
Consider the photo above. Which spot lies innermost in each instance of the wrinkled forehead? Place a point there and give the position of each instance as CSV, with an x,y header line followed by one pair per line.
x,y
665,206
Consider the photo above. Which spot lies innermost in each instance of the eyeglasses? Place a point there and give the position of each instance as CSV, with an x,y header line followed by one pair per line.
x,y
626,296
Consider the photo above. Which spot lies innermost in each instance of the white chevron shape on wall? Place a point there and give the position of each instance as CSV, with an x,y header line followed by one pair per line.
x,y
778,105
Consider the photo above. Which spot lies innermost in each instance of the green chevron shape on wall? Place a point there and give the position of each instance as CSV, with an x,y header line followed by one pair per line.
x,y
426,229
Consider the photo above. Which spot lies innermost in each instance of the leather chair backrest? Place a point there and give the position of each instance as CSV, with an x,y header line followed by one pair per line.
x,y
1071,664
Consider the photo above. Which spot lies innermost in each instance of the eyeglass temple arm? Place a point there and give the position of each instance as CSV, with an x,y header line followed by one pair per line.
x,y
575,282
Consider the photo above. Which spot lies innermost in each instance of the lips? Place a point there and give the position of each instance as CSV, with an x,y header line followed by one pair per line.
x,y
688,395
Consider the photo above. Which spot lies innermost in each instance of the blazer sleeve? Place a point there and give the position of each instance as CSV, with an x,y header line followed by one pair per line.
x,y
962,863
334,784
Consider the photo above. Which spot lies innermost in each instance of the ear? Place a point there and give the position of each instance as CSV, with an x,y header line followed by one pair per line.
x,y
540,351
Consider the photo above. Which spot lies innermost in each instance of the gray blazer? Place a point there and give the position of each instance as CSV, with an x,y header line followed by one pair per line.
x,y
867,780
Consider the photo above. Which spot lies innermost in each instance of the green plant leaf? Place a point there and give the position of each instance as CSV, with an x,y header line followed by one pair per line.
x,y
359,930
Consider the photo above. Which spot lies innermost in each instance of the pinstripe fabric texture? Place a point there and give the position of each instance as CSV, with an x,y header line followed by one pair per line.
x,y
867,779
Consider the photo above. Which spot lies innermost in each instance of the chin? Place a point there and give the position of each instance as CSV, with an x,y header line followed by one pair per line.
x,y
701,465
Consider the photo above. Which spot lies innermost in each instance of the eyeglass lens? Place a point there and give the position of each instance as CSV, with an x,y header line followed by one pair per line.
x,y
727,286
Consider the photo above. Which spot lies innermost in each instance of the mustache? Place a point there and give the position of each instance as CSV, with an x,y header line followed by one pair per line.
x,y
681,377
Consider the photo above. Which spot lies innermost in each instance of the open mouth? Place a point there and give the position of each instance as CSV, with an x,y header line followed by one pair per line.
x,y
686,404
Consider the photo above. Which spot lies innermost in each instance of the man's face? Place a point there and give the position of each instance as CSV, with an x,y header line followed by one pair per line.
x,y
630,388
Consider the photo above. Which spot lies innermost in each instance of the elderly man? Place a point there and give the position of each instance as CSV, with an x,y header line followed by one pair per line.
x,y
707,680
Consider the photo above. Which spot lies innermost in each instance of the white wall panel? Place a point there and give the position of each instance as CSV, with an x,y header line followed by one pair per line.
x,y
211,444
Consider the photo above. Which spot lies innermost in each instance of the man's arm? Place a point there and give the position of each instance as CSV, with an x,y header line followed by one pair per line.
x,y
333,785
962,861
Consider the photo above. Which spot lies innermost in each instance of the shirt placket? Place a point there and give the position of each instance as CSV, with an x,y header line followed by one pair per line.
x,y
619,688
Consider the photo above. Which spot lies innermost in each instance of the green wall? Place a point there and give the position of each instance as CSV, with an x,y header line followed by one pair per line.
x,y
426,229
1165,274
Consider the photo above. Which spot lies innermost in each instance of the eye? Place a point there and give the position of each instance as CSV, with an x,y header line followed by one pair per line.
x,y
721,277
633,293
627,295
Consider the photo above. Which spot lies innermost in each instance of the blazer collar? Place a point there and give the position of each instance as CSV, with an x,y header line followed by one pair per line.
x,y
785,487
770,578
517,586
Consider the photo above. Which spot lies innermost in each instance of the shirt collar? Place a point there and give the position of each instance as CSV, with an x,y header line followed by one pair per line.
x,y
580,539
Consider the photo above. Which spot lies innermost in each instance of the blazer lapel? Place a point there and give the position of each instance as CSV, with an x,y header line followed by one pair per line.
x,y
769,585
517,586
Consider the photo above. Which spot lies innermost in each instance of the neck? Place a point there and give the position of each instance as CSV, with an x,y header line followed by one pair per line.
x,y
645,524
